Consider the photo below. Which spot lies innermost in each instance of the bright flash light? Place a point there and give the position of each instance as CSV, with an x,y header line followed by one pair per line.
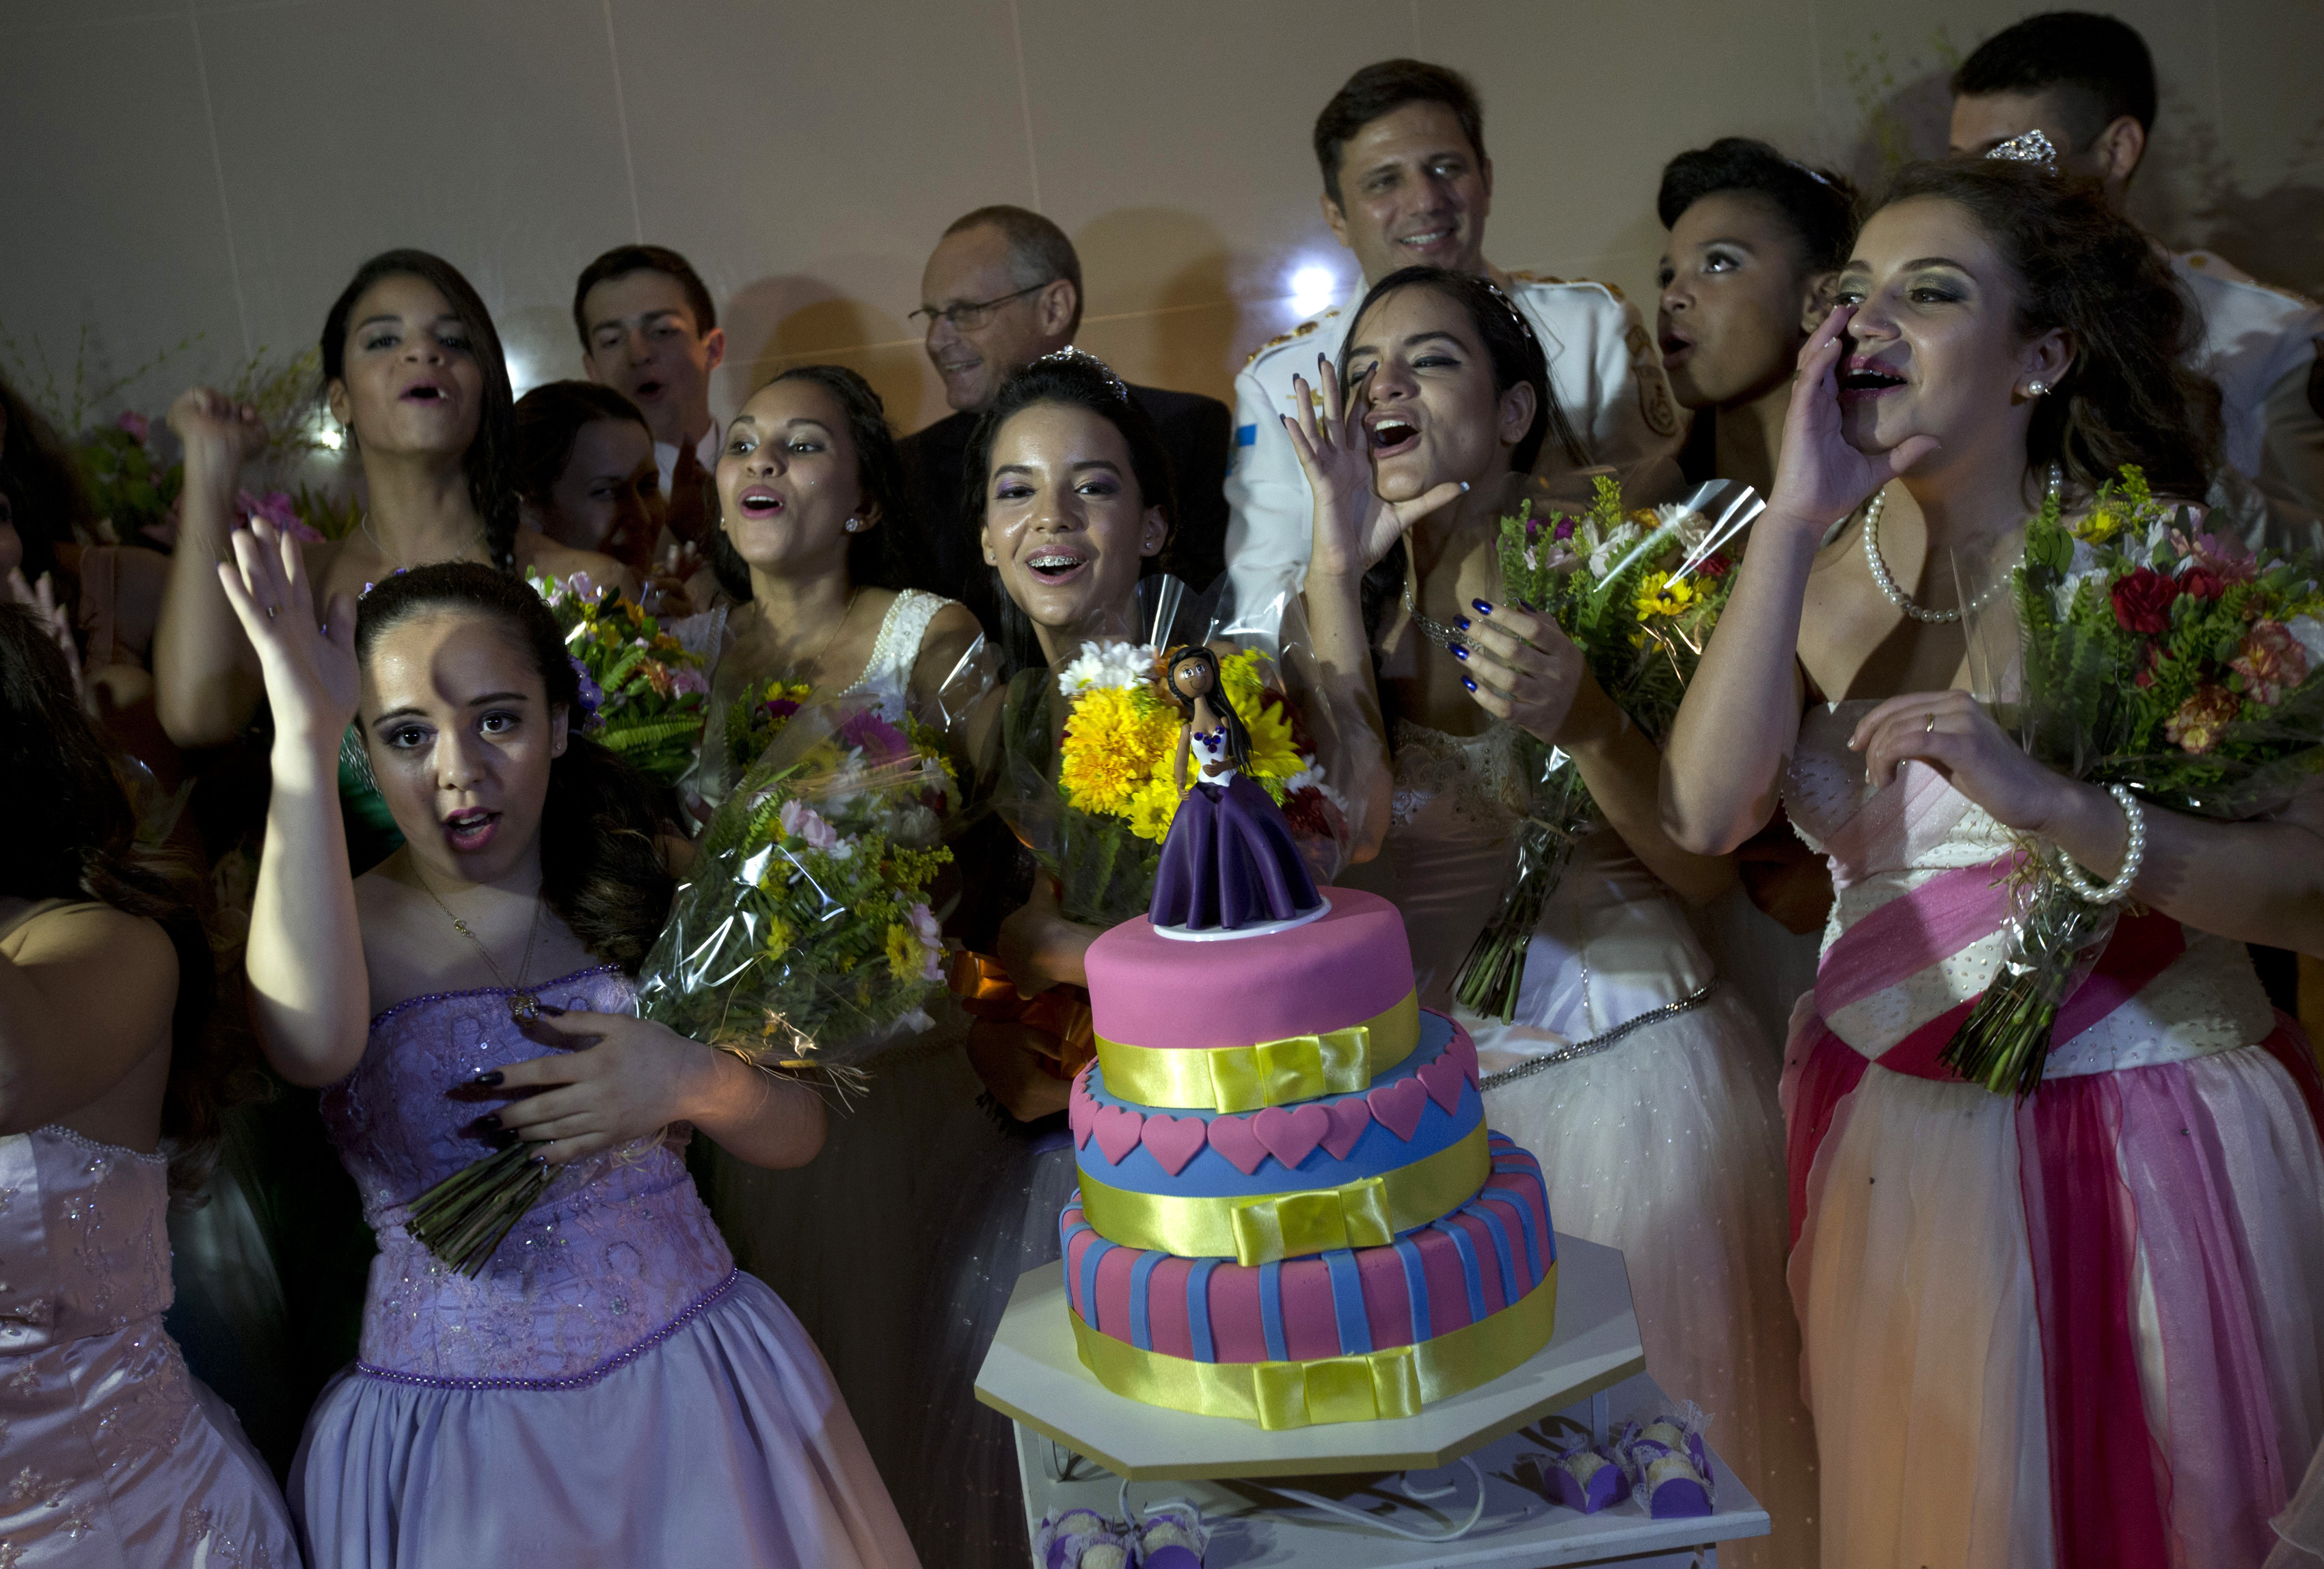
x,y
1312,288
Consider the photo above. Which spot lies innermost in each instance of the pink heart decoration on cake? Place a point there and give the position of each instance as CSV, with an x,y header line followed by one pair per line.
x,y
1118,1129
1291,1135
1235,1137
1173,1141
1445,1081
1349,1118
1398,1106
1080,1109
1465,1050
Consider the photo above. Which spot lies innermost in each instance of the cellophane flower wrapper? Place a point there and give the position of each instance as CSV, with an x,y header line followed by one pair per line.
x,y
1639,593
803,939
645,691
2128,647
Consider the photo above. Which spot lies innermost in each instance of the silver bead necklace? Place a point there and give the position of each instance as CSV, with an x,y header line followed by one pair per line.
x,y
1887,584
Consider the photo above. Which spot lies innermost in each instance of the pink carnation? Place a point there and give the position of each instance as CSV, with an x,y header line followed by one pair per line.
x,y
2196,726
2272,660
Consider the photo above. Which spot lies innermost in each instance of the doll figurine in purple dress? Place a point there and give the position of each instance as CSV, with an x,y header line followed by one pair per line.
x,y
1230,863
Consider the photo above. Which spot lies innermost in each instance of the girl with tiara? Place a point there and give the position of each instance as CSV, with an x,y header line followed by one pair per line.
x,y
2083,1328
1643,1085
607,1388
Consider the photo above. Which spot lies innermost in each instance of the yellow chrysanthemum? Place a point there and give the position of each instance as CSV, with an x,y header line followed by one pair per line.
x,y
1658,596
1272,754
1153,806
1112,743
904,957
2102,525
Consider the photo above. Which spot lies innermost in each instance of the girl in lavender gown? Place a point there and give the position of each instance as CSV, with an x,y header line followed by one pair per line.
x,y
109,1098
607,1389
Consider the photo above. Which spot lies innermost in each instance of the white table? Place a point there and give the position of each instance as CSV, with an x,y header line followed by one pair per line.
x,y
1077,1441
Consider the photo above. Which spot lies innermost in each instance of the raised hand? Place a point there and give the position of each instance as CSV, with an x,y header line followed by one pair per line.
x,y
1354,528
1820,478
219,434
311,680
1521,667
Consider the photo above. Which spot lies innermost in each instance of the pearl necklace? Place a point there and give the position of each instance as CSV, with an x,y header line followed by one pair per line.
x,y
1887,584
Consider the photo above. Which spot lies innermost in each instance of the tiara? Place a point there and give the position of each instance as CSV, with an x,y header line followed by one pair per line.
x,y
2033,147
1073,357
1510,306
1815,174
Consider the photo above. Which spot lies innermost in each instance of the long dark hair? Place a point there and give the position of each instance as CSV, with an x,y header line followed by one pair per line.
x,y
2129,396
874,557
601,870
490,459
46,500
1237,736
73,835
1080,381
1517,357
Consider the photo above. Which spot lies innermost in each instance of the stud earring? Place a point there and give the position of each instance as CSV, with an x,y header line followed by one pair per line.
x,y
2037,389
854,526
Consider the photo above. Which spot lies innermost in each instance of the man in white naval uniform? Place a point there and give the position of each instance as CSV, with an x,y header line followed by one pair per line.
x,y
2087,83
1406,183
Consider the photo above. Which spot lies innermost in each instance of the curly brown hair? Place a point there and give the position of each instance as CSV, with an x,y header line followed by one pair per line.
x,y
73,835
2129,396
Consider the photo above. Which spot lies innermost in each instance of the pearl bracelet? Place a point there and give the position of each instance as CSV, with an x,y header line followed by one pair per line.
x,y
2118,890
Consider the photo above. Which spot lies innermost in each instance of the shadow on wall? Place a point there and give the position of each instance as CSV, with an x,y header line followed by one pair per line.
x,y
777,322
1160,306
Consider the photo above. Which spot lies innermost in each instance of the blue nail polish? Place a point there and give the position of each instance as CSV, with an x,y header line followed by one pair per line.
x,y
1482,608
1461,622
1458,651
1469,684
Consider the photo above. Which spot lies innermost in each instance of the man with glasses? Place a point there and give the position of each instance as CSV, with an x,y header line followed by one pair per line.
x,y
1002,289
2087,82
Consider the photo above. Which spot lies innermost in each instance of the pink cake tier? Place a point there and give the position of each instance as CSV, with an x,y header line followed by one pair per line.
x,y
1354,1334
1232,1026
1344,1170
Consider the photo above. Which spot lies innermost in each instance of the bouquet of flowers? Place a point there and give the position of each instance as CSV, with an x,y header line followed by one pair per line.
x,y
643,691
1097,816
2129,650
803,941
756,718
1638,592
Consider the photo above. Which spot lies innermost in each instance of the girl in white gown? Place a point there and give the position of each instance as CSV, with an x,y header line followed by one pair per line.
x,y
1644,1088
808,485
2082,1329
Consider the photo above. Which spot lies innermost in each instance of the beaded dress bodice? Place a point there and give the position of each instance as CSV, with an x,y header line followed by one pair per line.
x,y
619,1248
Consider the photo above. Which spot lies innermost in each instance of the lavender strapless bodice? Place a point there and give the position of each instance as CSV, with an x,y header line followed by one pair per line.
x,y
619,1249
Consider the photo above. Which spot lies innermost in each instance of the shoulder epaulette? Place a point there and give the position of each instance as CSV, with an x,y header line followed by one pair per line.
x,y
1294,335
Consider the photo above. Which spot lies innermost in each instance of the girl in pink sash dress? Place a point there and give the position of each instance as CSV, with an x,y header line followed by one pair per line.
x,y
2085,1329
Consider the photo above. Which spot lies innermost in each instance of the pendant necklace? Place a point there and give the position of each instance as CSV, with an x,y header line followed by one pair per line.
x,y
524,1006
